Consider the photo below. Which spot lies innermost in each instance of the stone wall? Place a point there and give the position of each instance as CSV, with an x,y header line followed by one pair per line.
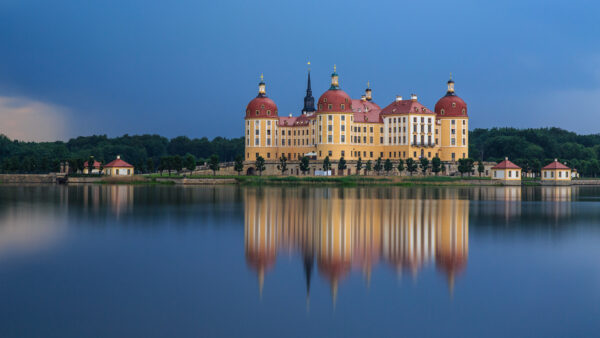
x,y
27,178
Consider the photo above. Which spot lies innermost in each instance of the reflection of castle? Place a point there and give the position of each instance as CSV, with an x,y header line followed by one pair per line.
x,y
354,229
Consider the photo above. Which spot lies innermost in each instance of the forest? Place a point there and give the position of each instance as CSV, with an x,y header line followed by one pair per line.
x,y
532,149
529,148
141,151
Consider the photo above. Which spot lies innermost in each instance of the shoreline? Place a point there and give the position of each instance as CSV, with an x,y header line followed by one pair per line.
x,y
353,180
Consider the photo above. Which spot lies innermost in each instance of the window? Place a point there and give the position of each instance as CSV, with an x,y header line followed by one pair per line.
x,y
343,153
371,153
371,129
343,117
453,104
343,138
517,173
453,122
269,113
453,141
364,129
330,153
510,173
342,106
329,138
330,117
453,156
329,106
268,141
330,127
343,127
381,140
371,139
268,155
268,131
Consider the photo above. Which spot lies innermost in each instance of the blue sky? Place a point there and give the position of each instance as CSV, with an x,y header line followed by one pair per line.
x,y
71,68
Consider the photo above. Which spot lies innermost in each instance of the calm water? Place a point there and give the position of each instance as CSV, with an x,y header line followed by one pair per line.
x,y
125,261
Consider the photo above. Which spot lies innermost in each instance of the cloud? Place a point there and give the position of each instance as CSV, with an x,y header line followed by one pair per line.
x,y
30,120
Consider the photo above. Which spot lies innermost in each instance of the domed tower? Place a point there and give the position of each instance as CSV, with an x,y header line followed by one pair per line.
x,y
261,126
453,125
334,120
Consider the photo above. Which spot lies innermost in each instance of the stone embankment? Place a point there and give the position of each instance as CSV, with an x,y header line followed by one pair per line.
x,y
27,178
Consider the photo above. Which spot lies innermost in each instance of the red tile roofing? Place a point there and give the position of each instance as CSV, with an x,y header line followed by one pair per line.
x,y
405,107
506,164
556,165
118,163
96,164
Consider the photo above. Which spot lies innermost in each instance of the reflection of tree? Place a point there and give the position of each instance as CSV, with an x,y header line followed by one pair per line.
x,y
355,229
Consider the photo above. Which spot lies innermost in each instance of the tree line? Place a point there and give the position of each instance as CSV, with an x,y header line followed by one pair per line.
x,y
145,152
532,149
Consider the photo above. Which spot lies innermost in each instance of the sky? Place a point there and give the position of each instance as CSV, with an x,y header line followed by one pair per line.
x,y
76,68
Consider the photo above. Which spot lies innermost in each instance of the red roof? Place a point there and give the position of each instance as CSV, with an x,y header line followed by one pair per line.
x,y
264,105
506,164
405,107
452,105
96,164
556,165
366,111
118,163
335,98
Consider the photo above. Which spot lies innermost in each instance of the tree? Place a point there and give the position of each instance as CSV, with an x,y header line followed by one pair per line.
x,y
326,164
359,165
400,166
368,167
177,162
388,166
260,165
190,162
436,165
90,163
213,163
480,168
465,165
282,164
150,165
424,165
239,164
304,164
166,163
411,165
341,166
378,166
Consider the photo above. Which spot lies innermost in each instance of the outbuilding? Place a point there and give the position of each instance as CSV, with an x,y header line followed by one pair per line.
x,y
556,173
118,167
507,172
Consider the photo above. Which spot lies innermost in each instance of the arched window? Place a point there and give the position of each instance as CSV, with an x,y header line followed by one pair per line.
x,y
342,106
453,104
268,112
442,111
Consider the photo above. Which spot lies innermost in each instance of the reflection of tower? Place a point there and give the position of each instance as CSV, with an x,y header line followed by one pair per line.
x,y
561,196
120,197
259,237
452,242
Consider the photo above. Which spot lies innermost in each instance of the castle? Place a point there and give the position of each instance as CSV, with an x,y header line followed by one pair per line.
x,y
341,127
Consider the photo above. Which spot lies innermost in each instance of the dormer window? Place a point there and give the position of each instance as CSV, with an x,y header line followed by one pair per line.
x,y
442,112
416,109
342,106
268,112
346,100
262,106
320,106
330,106
453,104
325,100
464,111
257,112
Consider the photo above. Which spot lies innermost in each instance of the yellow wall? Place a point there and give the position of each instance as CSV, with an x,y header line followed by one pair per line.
x,y
515,174
553,174
113,170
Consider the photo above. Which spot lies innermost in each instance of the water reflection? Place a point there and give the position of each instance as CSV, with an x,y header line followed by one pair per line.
x,y
355,229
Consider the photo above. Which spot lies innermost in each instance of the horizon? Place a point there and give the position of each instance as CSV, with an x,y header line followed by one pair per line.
x,y
189,69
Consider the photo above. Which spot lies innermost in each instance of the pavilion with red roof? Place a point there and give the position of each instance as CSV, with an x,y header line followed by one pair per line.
x,y
118,167
507,172
556,173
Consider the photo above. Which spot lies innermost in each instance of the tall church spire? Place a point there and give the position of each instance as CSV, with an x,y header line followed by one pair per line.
x,y
309,100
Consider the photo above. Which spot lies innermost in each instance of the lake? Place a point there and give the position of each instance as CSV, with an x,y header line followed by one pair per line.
x,y
230,261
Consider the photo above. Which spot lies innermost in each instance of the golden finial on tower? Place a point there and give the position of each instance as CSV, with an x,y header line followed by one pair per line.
x,y
334,68
308,63
368,84
261,77
450,75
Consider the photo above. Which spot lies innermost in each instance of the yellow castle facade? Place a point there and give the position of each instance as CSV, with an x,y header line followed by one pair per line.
x,y
338,126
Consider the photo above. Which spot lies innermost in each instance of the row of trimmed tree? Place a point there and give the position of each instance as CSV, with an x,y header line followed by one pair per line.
x,y
465,166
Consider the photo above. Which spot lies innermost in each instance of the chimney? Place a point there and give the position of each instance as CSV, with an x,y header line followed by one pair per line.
x,y
413,97
398,98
